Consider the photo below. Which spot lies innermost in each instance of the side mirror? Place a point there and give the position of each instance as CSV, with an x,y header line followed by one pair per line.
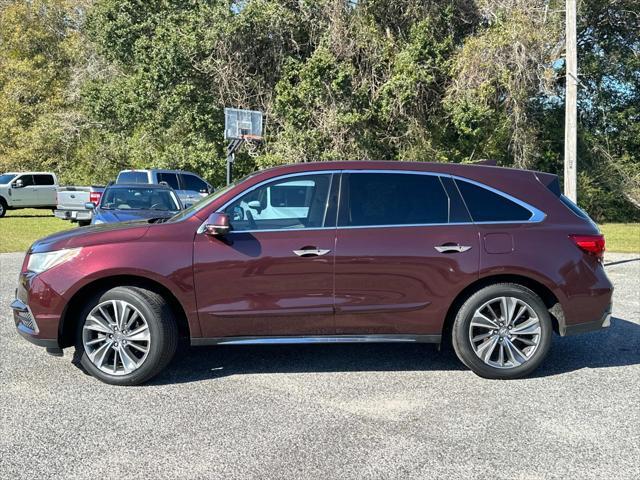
x,y
187,205
217,224
255,205
18,183
89,205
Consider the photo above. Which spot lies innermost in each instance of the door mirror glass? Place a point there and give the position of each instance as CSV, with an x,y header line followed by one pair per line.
x,y
89,205
217,224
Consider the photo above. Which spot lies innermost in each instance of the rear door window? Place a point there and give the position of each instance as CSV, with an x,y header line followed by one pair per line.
x,y
193,183
43,179
389,199
170,179
487,206
133,177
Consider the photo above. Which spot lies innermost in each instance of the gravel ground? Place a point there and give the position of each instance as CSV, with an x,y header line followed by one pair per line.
x,y
336,411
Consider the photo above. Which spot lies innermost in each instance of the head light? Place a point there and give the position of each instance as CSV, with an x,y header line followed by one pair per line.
x,y
39,262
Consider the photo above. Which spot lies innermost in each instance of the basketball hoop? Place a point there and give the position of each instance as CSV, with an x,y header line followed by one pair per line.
x,y
241,127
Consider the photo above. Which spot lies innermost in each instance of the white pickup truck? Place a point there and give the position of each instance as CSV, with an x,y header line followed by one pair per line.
x,y
72,201
27,190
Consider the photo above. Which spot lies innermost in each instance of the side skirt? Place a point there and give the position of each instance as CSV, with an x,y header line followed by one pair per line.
x,y
316,339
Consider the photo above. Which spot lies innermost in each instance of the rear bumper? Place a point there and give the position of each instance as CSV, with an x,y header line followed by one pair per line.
x,y
603,322
73,214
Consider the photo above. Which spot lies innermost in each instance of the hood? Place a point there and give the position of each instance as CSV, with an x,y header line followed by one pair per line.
x,y
113,216
92,235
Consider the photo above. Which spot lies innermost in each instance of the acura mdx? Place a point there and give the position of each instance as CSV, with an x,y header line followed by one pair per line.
x,y
492,259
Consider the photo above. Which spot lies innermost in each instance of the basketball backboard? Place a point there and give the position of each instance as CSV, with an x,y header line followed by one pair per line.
x,y
242,124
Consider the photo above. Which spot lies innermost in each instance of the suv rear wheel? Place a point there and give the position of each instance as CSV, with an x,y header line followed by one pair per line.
x,y
126,336
503,331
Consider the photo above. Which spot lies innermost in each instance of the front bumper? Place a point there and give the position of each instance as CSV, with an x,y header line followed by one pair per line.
x,y
27,326
603,322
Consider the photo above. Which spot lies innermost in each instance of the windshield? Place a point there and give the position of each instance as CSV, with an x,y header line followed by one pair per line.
x,y
139,198
6,178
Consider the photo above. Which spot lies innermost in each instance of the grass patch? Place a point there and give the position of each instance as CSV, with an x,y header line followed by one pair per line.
x,y
20,228
622,237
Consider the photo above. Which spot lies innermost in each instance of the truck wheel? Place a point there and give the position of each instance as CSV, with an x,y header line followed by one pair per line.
x,y
3,207
126,336
502,331
84,223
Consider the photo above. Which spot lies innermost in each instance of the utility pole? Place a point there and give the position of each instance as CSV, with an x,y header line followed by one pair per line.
x,y
571,106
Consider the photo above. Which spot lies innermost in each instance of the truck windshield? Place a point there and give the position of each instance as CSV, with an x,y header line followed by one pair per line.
x,y
6,178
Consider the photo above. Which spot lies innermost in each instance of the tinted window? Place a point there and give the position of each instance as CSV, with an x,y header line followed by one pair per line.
x,y
133,177
191,182
487,206
170,179
27,180
394,199
573,207
139,198
43,179
289,203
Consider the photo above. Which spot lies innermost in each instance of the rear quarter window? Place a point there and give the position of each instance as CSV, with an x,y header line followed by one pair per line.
x,y
487,206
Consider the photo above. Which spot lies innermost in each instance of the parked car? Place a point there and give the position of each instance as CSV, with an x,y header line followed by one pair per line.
x,y
27,190
72,201
189,186
126,202
495,259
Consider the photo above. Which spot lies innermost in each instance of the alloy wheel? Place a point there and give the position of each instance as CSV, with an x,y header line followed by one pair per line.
x,y
116,337
505,332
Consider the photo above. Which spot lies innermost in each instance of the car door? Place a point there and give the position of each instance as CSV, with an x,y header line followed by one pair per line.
x,y
271,275
25,195
46,190
405,247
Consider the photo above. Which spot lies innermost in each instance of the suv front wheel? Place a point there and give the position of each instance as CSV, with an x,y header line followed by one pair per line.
x,y
503,331
126,336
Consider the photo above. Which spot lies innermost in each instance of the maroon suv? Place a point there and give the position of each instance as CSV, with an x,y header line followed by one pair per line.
x,y
327,252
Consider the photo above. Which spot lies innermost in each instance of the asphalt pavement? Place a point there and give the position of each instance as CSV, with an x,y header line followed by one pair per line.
x,y
329,411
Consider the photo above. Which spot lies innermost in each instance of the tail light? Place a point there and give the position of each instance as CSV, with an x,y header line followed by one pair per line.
x,y
590,244
94,197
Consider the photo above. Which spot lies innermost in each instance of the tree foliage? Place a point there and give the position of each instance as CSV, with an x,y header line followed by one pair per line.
x,y
90,87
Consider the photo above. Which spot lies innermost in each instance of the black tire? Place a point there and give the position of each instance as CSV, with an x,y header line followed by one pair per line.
x,y
3,207
84,223
162,329
461,331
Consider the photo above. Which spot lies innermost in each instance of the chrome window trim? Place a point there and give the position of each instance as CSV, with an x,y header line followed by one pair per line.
x,y
537,215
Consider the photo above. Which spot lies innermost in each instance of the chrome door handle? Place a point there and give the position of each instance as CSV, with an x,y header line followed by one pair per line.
x,y
311,252
452,248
